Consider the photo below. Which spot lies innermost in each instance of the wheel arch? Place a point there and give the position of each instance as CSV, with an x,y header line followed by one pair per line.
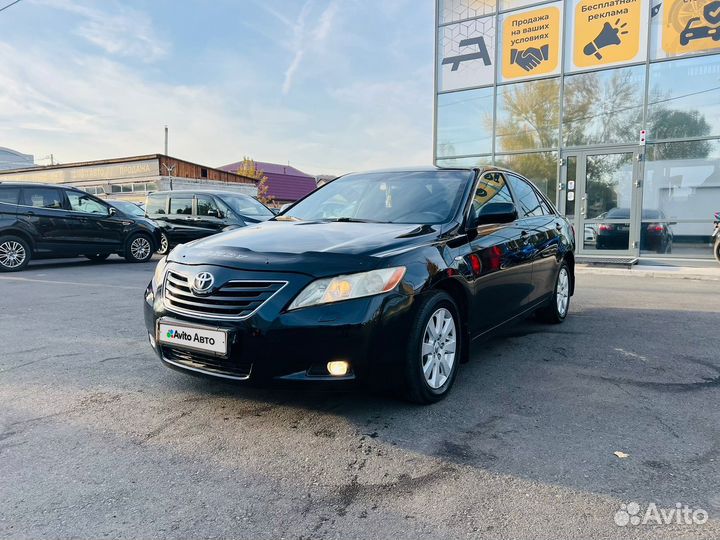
x,y
569,258
20,234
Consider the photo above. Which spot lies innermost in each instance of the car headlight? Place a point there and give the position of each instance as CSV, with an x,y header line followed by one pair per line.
x,y
328,290
159,274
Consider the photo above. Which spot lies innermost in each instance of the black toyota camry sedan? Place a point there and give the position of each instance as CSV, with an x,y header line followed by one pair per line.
x,y
384,277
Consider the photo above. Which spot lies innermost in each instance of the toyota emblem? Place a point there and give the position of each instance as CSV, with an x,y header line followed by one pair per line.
x,y
203,282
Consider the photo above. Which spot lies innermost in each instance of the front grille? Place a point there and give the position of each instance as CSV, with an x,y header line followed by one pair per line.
x,y
206,363
236,299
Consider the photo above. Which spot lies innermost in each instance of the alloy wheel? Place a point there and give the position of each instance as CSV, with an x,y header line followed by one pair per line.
x,y
562,294
438,348
164,244
12,254
140,248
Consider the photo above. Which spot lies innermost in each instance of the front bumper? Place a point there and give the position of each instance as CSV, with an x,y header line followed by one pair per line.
x,y
369,333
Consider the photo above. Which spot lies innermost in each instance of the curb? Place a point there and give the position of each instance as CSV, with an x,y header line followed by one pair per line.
x,y
701,274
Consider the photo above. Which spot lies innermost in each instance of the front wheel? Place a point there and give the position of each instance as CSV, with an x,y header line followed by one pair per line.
x,y
139,249
557,308
164,245
14,254
433,353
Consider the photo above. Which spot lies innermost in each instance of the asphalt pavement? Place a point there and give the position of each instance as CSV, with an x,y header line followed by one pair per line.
x,y
97,439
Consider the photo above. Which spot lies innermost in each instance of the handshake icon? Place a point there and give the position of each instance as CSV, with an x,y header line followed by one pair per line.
x,y
529,58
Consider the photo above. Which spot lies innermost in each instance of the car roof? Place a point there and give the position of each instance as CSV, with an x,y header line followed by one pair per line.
x,y
36,184
203,191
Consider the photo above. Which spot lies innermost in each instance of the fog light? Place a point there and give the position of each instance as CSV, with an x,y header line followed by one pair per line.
x,y
152,340
338,368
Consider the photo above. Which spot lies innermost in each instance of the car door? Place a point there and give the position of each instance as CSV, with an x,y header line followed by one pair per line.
x,y
541,232
209,218
502,273
92,225
44,212
180,219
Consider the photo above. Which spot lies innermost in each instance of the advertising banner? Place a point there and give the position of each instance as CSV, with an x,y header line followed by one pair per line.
x,y
608,32
690,26
531,43
466,54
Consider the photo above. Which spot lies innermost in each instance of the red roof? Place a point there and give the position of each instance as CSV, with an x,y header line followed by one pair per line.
x,y
285,183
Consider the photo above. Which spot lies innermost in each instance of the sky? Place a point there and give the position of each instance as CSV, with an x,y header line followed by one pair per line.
x,y
329,86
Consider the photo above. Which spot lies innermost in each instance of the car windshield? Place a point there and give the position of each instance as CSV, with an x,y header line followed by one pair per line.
x,y
247,206
392,197
129,208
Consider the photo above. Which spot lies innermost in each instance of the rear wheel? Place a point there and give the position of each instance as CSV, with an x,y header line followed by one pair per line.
x,y
139,248
433,353
164,245
14,254
97,256
557,308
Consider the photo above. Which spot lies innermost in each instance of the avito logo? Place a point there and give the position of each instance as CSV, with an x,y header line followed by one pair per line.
x,y
175,334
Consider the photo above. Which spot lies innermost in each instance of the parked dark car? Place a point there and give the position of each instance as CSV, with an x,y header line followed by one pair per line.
x,y
391,289
186,215
51,221
655,232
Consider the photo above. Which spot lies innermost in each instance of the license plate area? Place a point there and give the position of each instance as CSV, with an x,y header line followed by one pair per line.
x,y
193,337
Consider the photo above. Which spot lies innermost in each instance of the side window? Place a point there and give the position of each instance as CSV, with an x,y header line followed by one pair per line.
x,y
156,205
206,207
529,204
9,195
181,206
492,187
43,198
80,202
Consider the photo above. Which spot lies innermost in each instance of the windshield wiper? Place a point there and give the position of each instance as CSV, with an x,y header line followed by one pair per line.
x,y
350,220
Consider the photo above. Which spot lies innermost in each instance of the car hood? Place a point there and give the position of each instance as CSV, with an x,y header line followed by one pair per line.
x,y
317,248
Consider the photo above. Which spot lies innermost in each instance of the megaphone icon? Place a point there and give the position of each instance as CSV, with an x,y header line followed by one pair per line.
x,y
609,35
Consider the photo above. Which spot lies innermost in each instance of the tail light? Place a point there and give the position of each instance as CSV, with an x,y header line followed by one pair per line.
x,y
606,227
655,227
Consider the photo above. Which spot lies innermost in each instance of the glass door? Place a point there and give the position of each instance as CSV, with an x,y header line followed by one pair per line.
x,y
600,194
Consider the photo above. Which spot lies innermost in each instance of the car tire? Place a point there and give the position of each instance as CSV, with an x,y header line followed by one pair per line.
x,y
558,305
15,254
164,245
138,248
97,257
427,378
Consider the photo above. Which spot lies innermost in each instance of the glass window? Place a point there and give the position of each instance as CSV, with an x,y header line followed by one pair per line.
x,y
681,194
538,167
458,10
9,195
43,198
464,122
206,207
492,187
79,202
181,206
392,197
116,188
683,98
603,106
247,206
474,161
527,116
156,205
129,208
529,204
514,4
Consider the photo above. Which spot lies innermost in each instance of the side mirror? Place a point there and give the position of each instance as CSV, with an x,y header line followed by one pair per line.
x,y
111,211
500,212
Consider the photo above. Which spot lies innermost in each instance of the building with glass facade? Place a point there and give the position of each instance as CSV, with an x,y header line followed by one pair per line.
x,y
612,107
